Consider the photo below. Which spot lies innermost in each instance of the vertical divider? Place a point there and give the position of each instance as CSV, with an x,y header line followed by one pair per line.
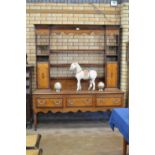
x,y
49,27
105,56
36,56
119,55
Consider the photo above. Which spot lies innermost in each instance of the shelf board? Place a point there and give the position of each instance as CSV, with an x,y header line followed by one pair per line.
x,y
112,55
112,45
42,55
83,65
62,78
42,45
110,61
68,78
78,50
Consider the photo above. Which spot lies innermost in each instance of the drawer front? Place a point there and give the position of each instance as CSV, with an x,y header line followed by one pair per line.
x,y
49,102
79,101
108,101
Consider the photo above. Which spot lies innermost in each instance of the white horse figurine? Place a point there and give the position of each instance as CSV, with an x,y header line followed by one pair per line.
x,y
84,74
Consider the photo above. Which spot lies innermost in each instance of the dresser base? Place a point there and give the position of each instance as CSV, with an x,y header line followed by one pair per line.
x,y
45,100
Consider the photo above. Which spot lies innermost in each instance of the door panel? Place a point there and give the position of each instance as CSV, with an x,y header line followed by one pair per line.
x,y
43,75
112,75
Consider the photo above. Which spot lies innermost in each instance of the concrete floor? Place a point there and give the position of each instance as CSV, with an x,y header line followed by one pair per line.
x,y
78,138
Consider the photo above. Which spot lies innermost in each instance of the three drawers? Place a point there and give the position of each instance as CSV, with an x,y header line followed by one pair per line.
x,y
78,101
49,102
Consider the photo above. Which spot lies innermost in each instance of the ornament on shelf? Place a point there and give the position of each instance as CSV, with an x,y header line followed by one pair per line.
x,y
100,86
57,86
83,74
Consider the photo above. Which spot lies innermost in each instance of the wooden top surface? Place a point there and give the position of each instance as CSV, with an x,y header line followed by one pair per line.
x,y
74,92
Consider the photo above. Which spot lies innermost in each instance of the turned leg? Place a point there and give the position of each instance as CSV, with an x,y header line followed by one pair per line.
x,y
35,121
124,147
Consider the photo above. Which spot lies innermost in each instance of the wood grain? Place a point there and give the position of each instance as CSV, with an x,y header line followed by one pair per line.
x,y
79,101
49,102
43,75
112,75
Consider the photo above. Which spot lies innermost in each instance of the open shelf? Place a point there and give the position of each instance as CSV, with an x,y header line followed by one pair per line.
x,y
93,47
77,50
68,78
112,46
42,55
112,55
42,45
82,65
61,78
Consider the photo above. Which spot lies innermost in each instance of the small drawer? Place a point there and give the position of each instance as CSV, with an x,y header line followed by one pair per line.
x,y
79,101
108,101
49,102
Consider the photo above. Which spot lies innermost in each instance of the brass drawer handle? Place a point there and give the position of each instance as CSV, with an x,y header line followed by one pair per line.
x,y
57,102
41,102
70,102
115,101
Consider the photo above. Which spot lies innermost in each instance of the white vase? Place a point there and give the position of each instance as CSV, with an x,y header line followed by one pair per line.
x,y
57,86
100,86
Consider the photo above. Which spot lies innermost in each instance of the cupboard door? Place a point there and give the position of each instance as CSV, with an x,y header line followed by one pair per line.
x,y
43,75
112,75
